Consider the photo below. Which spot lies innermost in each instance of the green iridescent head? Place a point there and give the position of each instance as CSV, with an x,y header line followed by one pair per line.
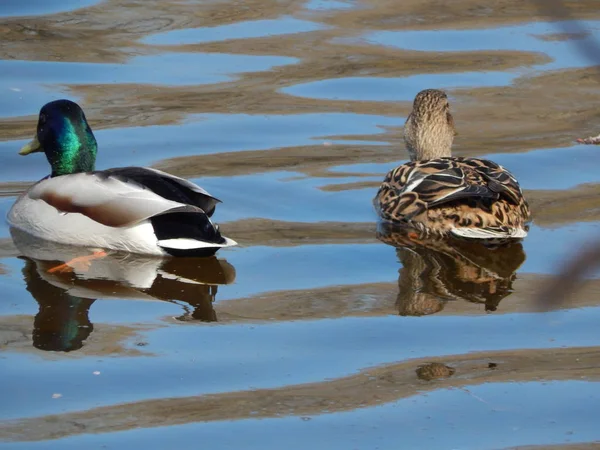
x,y
66,138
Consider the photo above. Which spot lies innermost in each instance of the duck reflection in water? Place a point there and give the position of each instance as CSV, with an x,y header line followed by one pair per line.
x,y
65,296
435,271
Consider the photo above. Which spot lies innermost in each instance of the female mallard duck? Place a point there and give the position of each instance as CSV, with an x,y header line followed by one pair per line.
x,y
440,195
132,209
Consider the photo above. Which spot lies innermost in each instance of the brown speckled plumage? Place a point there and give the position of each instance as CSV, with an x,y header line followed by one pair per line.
x,y
437,194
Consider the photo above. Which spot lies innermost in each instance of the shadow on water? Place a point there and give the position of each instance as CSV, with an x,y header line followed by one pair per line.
x,y
66,296
435,271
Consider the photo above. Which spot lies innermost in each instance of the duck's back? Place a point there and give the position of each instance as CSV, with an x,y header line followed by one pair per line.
x,y
166,185
467,197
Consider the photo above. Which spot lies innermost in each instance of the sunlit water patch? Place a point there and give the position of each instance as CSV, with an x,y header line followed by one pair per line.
x,y
531,37
5,204
534,413
550,168
547,248
201,135
394,89
16,8
286,196
241,30
26,85
21,98
525,38
331,5
195,360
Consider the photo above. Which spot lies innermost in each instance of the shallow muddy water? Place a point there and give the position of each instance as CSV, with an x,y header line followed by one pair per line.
x,y
311,331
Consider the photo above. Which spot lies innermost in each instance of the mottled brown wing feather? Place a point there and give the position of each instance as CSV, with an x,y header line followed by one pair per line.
x,y
498,179
416,186
452,184
435,182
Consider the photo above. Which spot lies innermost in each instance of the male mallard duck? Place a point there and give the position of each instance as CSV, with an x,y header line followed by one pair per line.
x,y
132,209
440,195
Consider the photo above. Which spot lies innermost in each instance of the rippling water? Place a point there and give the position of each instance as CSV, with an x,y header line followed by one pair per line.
x,y
308,334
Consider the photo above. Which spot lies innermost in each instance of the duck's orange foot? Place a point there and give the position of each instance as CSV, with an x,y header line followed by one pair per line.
x,y
594,140
81,263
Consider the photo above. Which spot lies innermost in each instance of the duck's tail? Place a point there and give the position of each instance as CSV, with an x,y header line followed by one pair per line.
x,y
189,234
500,233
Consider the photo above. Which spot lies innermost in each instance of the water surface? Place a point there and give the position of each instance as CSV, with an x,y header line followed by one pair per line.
x,y
309,332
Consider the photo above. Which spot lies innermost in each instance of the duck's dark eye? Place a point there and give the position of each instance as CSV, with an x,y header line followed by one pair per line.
x,y
42,119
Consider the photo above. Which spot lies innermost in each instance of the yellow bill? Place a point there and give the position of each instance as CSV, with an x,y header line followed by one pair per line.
x,y
31,147
455,133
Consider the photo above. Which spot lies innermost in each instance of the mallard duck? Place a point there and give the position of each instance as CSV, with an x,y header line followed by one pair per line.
x,y
132,209
440,195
